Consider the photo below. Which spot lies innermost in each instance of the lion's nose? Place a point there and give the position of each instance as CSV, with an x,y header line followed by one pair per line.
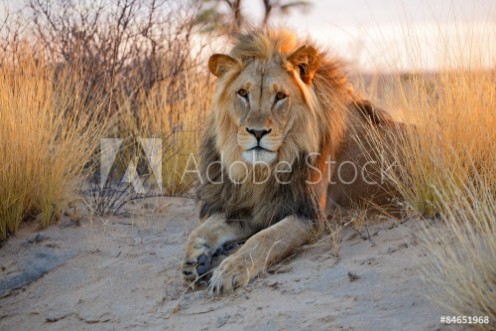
x,y
258,133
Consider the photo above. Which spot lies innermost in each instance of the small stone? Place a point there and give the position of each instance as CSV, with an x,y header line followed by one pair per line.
x,y
352,276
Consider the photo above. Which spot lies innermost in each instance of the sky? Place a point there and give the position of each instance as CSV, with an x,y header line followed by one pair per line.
x,y
392,35
398,34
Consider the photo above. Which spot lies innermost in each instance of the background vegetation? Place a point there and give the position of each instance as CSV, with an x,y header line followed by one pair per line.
x,y
446,170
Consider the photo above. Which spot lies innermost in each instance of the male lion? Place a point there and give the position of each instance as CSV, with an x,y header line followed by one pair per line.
x,y
282,113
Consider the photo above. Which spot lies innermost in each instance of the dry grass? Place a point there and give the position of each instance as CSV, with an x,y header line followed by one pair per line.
x,y
179,123
461,270
46,137
454,114
52,117
447,170
51,126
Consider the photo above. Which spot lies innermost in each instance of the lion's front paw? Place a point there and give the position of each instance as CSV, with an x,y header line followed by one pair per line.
x,y
197,261
231,273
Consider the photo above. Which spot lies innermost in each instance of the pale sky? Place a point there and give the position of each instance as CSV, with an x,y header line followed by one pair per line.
x,y
394,34
398,34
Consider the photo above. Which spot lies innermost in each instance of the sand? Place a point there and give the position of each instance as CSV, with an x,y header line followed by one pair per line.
x,y
123,272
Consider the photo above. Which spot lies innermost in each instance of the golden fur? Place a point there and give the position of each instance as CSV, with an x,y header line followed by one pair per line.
x,y
281,111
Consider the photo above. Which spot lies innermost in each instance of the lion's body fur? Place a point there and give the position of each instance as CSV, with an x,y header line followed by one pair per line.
x,y
369,130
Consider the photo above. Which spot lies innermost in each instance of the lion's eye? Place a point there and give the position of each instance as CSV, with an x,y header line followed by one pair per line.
x,y
280,96
243,93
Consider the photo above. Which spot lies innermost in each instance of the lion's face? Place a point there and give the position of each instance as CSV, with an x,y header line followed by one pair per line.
x,y
263,98
263,111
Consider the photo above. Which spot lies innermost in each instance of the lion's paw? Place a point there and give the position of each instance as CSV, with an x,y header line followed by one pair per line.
x,y
231,273
197,262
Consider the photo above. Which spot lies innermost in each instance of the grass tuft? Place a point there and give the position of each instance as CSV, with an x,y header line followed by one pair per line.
x,y
47,138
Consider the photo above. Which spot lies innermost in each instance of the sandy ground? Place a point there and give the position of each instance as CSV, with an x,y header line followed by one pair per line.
x,y
123,273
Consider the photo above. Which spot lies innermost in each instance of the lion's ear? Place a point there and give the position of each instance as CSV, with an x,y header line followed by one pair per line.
x,y
219,64
307,60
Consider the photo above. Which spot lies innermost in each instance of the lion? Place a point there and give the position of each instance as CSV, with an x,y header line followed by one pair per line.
x,y
283,121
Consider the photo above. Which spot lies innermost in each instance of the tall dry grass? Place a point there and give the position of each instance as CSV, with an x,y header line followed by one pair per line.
x,y
176,116
47,138
135,62
461,268
51,125
454,114
447,168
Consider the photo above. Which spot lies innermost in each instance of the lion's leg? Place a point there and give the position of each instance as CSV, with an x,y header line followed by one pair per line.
x,y
259,252
205,240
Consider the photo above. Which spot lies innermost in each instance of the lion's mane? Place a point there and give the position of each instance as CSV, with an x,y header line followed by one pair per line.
x,y
318,129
